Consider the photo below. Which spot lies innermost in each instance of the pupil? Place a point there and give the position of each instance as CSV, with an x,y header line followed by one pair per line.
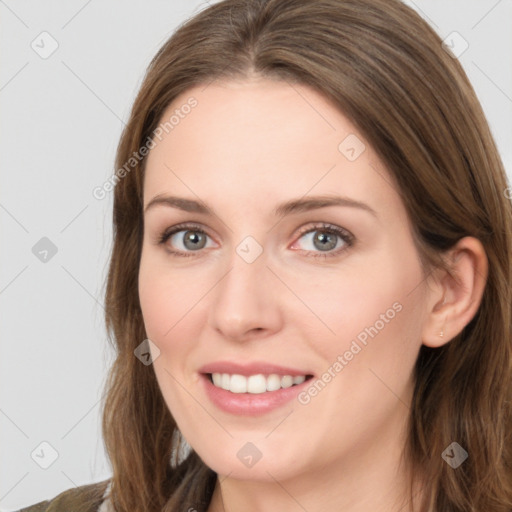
x,y
192,236
323,238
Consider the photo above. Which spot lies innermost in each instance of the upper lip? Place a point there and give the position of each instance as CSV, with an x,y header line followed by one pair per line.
x,y
253,368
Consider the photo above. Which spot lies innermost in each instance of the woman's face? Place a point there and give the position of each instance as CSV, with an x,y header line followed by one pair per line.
x,y
333,291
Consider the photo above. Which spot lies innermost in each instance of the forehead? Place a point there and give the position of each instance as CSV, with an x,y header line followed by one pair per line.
x,y
262,139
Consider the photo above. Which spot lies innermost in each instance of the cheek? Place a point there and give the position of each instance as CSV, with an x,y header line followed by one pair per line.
x,y
164,296
371,312
374,311
153,302
174,308
167,309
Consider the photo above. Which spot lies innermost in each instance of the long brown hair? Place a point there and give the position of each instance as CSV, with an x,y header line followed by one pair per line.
x,y
386,70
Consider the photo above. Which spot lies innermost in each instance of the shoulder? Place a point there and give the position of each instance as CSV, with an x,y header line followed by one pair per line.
x,y
85,498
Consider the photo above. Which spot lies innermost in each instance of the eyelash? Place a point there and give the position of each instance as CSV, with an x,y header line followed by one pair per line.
x,y
346,236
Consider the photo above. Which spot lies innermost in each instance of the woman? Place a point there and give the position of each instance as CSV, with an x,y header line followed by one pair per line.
x,y
310,278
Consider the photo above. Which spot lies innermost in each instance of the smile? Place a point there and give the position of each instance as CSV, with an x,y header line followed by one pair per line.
x,y
252,395
255,384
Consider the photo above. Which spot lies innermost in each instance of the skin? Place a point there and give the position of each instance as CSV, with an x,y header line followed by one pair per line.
x,y
247,146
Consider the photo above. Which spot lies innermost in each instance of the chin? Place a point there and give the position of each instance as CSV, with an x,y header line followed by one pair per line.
x,y
256,461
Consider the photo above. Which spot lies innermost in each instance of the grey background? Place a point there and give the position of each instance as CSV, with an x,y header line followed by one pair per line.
x,y
61,120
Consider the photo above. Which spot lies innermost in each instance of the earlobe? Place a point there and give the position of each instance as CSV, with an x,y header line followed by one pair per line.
x,y
456,295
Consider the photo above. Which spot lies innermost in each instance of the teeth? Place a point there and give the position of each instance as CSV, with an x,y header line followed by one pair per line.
x,y
238,384
255,384
287,381
273,382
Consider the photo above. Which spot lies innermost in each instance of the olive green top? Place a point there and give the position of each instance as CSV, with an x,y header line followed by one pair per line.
x,y
85,498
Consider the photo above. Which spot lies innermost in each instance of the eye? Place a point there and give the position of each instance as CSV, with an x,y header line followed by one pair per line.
x,y
194,239
326,240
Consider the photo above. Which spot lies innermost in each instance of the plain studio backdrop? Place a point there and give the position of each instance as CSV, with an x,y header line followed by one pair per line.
x,y
70,71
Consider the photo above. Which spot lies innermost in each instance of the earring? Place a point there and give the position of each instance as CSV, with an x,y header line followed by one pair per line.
x,y
441,334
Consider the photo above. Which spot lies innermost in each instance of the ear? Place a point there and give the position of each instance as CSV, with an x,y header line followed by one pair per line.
x,y
455,295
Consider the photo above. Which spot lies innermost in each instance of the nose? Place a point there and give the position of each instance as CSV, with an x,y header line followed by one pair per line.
x,y
246,301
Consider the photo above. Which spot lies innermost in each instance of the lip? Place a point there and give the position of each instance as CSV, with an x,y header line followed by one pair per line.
x,y
250,404
251,369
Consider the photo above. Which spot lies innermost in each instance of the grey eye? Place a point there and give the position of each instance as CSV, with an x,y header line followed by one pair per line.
x,y
321,241
192,241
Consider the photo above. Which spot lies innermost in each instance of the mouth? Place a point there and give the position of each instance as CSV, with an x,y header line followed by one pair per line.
x,y
252,388
256,384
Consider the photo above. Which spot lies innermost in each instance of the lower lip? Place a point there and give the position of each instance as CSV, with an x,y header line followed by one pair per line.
x,y
250,404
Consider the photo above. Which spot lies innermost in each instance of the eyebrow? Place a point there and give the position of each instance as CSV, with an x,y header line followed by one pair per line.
x,y
289,207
